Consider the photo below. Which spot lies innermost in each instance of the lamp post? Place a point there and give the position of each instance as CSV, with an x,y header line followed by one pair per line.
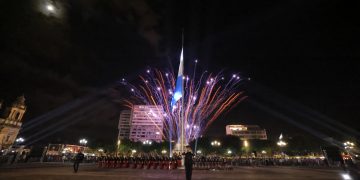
x,y
83,142
349,145
133,152
19,147
101,151
246,144
118,147
246,147
19,140
215,143
281,143
263,152
147,142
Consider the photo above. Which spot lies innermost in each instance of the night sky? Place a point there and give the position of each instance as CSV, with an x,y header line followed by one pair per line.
x,y
302,57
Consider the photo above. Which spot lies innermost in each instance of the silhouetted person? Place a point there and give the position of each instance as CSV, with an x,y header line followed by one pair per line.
x,y
188,162
14,157
78,159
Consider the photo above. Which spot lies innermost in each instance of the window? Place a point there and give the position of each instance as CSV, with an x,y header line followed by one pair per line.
x,y
17,115
7,138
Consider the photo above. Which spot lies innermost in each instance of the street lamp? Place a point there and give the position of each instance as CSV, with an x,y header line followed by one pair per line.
x,y
118,146
281,143
101,151
147,142
163,151
83,142
133,152
20,140
246,143
349,145
215,143
229,152
198,152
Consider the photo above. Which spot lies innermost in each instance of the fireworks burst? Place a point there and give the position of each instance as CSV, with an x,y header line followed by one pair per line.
x,y
204,99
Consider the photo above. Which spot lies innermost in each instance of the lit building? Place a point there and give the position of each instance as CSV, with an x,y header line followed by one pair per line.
x,y
146,123
59,149
11,122
124,124
246,132
55,152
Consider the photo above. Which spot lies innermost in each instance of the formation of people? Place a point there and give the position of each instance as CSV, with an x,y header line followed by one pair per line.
x,y
211,162
141,161
151,161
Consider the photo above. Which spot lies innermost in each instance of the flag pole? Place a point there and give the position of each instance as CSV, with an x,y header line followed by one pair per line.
x,y
179,93
182,106
182,99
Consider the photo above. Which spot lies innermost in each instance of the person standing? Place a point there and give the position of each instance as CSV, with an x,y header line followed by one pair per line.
x,y
188,162
78,159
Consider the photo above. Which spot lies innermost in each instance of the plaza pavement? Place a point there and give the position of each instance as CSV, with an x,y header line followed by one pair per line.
x,y
92,172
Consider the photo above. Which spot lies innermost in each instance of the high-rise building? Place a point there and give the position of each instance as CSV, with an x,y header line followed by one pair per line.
x,y
11,122
146,123
246,132
124,124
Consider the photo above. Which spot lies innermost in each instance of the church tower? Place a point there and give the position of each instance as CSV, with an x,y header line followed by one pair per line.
x,y
11,123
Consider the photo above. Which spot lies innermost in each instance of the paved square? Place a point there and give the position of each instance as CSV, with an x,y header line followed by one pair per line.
x,y
90,172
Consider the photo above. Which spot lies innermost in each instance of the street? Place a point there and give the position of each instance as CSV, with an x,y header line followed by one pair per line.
x,y
90,172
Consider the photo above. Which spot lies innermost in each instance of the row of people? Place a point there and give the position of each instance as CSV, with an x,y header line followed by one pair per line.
x,y
211,162
162,162
140,162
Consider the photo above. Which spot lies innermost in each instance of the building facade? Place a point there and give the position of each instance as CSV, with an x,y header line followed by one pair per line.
x,y
146,123
246,132
124,124
60,149
11,122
